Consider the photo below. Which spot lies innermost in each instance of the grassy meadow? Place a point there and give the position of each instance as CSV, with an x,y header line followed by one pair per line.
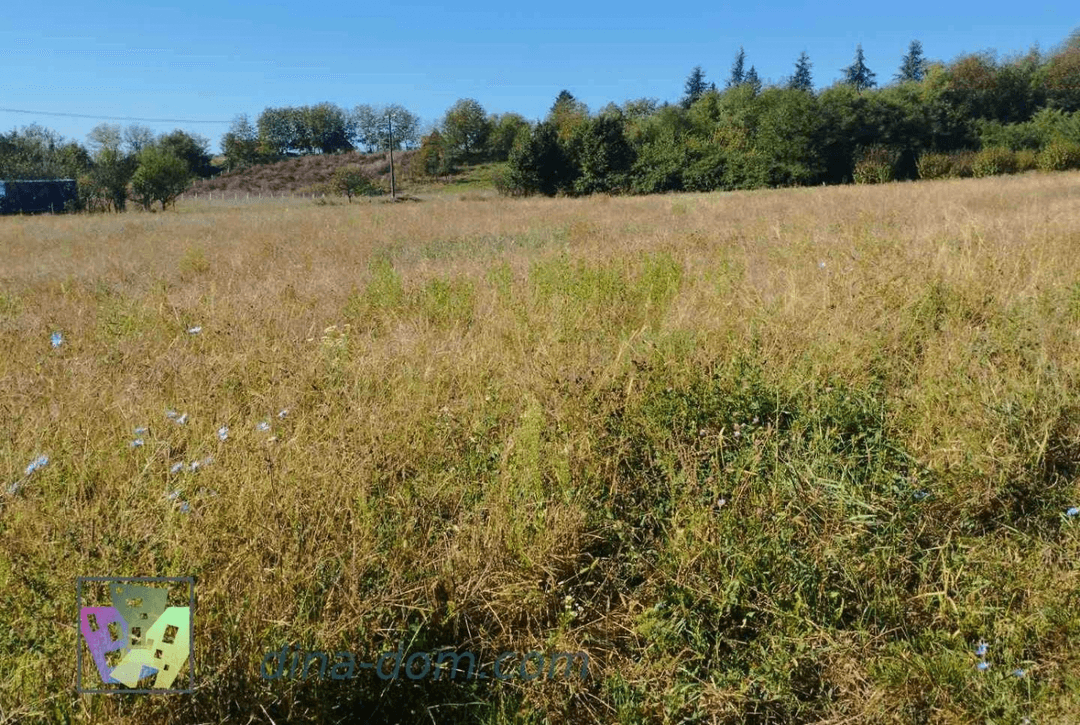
x,y
766,457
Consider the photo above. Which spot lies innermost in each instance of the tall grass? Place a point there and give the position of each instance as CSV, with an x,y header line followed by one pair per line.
x,y
781,456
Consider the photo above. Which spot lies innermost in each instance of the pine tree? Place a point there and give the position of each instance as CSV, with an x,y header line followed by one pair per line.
x,y
565,99
738,74
752,80
857,74
695,86
801,80
912,65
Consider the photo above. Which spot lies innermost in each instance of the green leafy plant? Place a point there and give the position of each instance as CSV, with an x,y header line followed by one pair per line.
x,y
994,161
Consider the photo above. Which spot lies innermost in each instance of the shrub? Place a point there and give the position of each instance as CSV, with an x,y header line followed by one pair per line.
x,y
1026,160
350,181
934,166
876,165
961,165
994,161
1059,156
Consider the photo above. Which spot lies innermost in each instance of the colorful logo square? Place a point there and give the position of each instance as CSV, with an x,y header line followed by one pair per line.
x,y
138,634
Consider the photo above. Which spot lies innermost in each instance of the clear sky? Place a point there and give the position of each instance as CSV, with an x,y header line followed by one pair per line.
x,y
208,61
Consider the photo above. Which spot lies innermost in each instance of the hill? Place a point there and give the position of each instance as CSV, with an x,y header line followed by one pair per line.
x,y
299,174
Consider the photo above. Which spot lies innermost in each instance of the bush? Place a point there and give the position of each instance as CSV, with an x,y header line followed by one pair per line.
x,y
503,184
1026,160
350,181
876,165
1059,156
961,165
993,162
934,166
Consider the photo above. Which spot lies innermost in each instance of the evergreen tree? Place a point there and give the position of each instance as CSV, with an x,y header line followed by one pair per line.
x,y
912,65
695,86
539,164
604,157
738,73
857,74
801,80
752,80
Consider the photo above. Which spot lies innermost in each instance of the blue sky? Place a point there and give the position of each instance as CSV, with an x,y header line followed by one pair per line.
x,y
208,61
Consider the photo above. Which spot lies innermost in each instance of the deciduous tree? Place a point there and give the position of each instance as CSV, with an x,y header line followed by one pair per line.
x,y
567,113
240,143
161,176
465,126
192,149
137,137
350,181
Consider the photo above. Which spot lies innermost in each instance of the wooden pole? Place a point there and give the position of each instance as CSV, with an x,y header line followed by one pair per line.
x,y
390,122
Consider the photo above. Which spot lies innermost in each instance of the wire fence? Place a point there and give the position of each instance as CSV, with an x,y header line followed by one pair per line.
x,y
246,195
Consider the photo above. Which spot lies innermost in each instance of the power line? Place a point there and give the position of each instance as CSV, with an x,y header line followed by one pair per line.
x,y
109,118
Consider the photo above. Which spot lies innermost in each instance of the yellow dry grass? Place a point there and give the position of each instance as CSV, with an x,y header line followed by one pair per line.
x,y
441,473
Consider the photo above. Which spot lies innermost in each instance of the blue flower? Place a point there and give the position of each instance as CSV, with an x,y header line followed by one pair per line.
x,y
283,412
920,495
1019,672
137,443
185,507
140,430
983,666
177,467
264,426
36,464
982,648
1073,511
57,339
223,432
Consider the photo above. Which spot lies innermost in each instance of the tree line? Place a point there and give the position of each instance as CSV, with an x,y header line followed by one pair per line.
x,y
121,164
976,115
324,128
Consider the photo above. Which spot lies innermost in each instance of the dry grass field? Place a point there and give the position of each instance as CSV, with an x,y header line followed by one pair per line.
x,y
766,457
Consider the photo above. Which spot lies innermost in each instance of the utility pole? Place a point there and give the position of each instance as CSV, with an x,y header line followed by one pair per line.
x,y
390,123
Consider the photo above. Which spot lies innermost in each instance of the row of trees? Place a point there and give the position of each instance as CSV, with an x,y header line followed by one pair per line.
x,y
323,128
120,164
749,136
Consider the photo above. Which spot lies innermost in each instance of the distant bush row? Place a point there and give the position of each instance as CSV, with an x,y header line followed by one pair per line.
x,y
1058,156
